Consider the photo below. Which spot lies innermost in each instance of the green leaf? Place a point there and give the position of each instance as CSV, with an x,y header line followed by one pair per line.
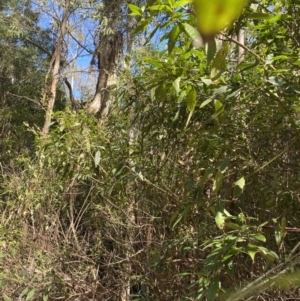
x,y
282,227
205,102
251,250
135,10
208,174
3,255
224,165
191,100
182,3
211,49
191,31
176,85
276,81
189,118
277,235
160,91
232,226
219,63
30,295
218,105
220,220
213,290
221,90
259,237
25,291
158,8
217,182
216,15
143,25
206,81
172,38
152,34
45,297
97,158
238,187
258,16
6,297
268,254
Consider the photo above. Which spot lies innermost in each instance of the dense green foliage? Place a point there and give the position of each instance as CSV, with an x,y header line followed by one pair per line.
x,y
187,190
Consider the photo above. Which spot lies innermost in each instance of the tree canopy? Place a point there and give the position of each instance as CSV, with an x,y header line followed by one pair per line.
x,y
149,150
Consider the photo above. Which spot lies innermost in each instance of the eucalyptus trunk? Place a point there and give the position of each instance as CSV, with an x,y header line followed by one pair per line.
x,y
108,52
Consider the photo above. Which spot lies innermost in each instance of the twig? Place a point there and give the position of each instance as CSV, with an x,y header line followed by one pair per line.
x,y
27,98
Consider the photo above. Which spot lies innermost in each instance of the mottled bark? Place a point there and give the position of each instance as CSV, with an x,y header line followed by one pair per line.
x,y
109,50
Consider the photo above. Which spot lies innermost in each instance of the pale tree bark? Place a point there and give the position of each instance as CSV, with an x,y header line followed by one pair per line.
x,y
241,39
108,52
55,62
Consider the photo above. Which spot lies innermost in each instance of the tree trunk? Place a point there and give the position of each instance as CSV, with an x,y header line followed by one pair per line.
x,y
56,60
109,50
241,39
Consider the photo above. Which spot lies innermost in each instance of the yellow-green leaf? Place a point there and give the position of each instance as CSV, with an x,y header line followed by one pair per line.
x,y
217,182
176,85
282,227
220,220
238,187
251,250
135,10
182,3
191,31
219,63
216,15
191,100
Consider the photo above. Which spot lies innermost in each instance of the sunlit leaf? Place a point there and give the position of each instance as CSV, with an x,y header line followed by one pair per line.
x,y
6,298
176,85
217,182
191,31
218,105
259,237
182,3
282,227
251,250
216,15
205,102
97,158
191,100
220,220
238,187
277,235
206,81
135,10
30,295
45,297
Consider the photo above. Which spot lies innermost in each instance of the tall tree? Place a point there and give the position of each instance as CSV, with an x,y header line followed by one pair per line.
x,y
55,64
108,52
